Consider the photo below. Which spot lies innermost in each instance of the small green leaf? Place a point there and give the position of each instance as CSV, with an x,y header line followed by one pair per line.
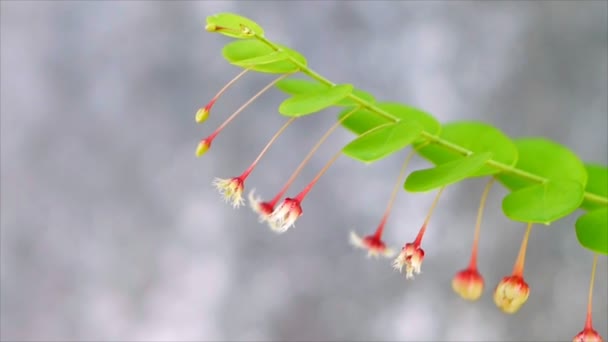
x,y
382,141
313,102
241,52
592,230
543,203
476,137
298,86
445,174
547,159
597,184
365,120
272,57
233,25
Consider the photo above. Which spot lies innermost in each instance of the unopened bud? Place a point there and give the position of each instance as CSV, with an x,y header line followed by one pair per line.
x,y
511,294
202,115
210,27
468,284
203,147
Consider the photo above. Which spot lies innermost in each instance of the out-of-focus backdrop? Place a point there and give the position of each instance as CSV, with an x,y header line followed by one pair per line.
x,y
110,229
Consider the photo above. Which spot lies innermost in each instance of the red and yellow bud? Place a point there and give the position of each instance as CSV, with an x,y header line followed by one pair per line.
x,y
202,115
511,294
468,284
588,335
203,147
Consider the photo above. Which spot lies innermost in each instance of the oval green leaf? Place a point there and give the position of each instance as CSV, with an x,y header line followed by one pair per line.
x,y
543,203
446,174
239,52
476,137
233,25
592,230
365,120
272,57
597,184
382,141
298,86
547,159
313,102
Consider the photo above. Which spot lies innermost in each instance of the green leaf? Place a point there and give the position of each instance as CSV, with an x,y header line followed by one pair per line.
x,y
382,141
476,137
241,52
597,184
298,86
365,120
592,230
543,203
547,159
233,25
313,102
446,174
276,56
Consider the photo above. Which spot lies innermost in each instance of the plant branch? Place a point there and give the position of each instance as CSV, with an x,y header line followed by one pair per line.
x,y
504,168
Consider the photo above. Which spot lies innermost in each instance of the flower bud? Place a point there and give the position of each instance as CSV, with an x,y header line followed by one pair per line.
x,y
511,294
202,115
588,335
468,284
203,147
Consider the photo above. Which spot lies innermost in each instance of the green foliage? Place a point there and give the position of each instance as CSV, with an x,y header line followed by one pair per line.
x,y
298,86
310,103
597,184
382,141
543,203
262,58
547,159
365,120
233,25
592,230
446,173
546,181
476,137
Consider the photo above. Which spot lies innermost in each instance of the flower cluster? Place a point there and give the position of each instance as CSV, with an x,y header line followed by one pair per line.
x,y
281,213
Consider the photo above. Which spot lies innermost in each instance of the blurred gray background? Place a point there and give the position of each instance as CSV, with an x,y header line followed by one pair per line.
x,y
110,229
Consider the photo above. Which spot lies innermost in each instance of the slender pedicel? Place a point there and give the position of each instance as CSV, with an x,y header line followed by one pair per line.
x,y
205,144
203,113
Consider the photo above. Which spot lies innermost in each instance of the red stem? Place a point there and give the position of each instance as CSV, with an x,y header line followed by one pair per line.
x,y
391,201
418,240
300,197
518,268
238,111
588,321
312,151
482,204
265,149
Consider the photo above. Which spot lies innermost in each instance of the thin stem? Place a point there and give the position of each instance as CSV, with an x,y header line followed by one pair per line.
x,y
504,168
304,192
482,204
588,322
307,158
232,81
238,111
265,149
391,201
518,268
418,240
